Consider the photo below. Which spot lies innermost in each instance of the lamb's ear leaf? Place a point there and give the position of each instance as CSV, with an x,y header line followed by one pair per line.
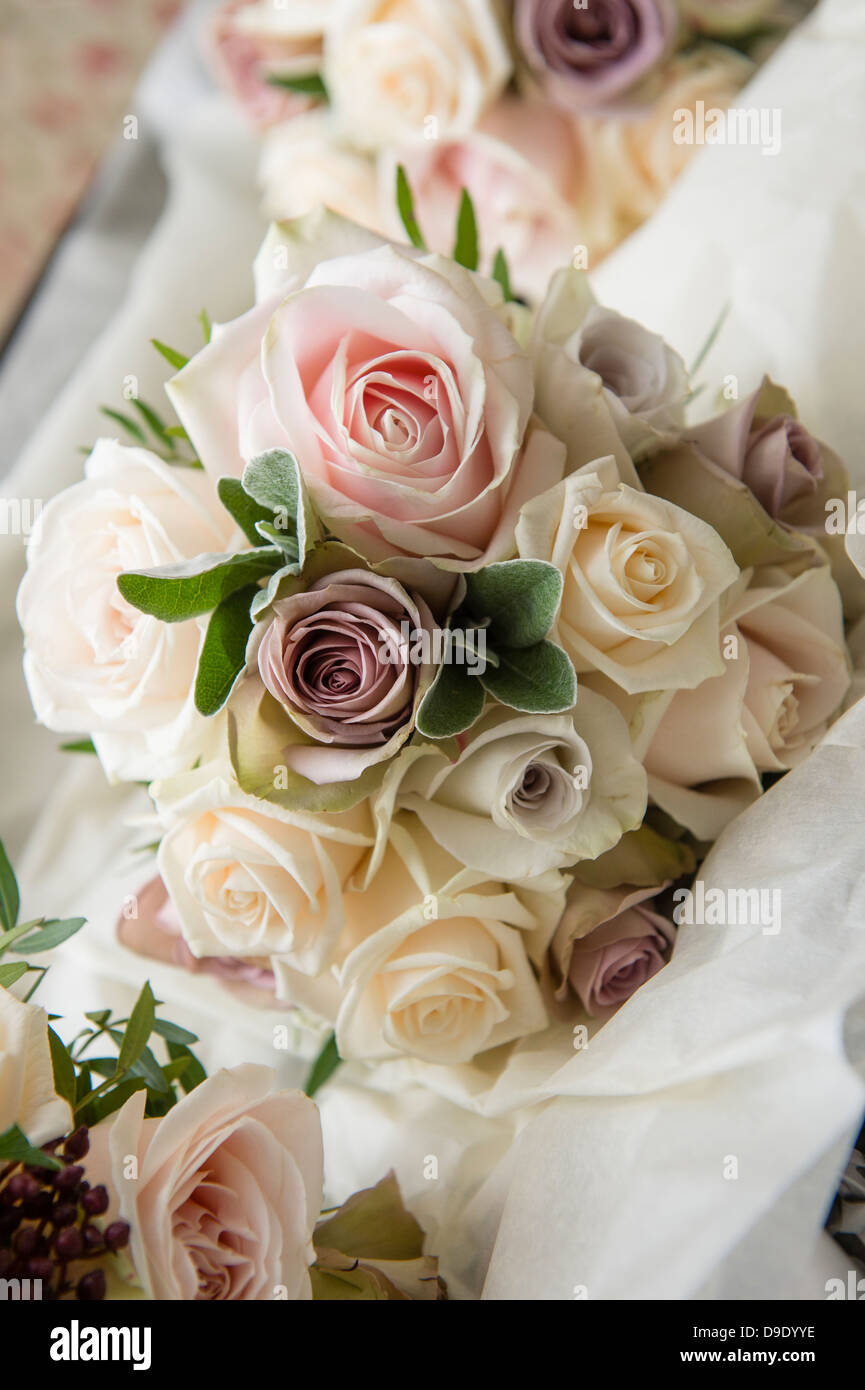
x,y
533,680
223,652
174,593
274,480
454,701
245,510
520,598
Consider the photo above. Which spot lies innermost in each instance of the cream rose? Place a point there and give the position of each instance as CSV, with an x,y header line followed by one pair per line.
x,y
399,70
226,1190
524,169
529,793
642,580
393,380
94,663
250,879
304,164
436,957
27,1095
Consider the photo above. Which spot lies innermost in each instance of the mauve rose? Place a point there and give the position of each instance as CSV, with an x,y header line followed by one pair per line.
x,y
729,18
338,659
609,963
775,456
586,56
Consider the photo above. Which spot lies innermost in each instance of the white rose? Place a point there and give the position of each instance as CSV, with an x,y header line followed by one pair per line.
x,y
249,878
27,1096
437,965
393,66
642,580
305,164
530,793
643,381
94,663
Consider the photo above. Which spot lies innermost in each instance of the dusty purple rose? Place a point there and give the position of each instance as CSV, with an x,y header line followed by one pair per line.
x,y
337,658
608,943
775,456
590,53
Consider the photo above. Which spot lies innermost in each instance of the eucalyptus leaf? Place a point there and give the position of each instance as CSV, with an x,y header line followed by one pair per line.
x,y
15,1147
63,1067
405,206
11,972
176,359
501,275
48,936
308,84
467,247
138,1029
324,1066
10,901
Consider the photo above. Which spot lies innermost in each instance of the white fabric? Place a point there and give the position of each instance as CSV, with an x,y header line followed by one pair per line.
x,y
735,1051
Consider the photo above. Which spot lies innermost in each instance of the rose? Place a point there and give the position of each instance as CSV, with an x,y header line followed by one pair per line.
x,y
27,1095
304,164
397,70
585,56
729,18
529,793
93,662
606,946
643,381
523,167
249,878
436,963
393,380
635,161
226,1190
642,580
250,40
337,657
155,932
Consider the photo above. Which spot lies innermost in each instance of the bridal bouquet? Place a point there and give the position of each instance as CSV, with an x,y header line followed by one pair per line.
x,y
446,645
557,115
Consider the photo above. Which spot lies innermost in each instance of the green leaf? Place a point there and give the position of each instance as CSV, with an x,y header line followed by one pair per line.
x,y
100,1017
84,745
405,204
10,901
206,326
15,1147
154,423
223,652
534,680
273,480
373,1224
275,535
452,704
309,84
502,275
126,423
102,1106
171,355
519,597
466,248
194,1073
63,1067
12,972
245,510
48,936
172,1032
323,1067
177,592
138,1029
264,598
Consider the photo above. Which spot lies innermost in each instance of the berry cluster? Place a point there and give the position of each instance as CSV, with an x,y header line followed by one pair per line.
x,y
47,1229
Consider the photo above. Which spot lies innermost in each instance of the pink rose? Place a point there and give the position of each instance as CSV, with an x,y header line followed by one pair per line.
x,y
243,53
584,56
223,1193
523,166
392,379
604,964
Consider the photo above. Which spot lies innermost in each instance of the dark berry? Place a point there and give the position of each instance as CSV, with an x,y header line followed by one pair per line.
x,y
78,1144
40,1267
91,1287
68,1178
23,1186
26,1241
92,1238
95,1202
39,1206
117,1235
64,1214
69,1244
